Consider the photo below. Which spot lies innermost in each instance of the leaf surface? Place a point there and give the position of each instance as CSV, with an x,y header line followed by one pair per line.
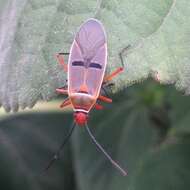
x,y
32,32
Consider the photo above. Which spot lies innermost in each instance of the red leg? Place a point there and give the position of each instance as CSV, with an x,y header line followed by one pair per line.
x,y
117,71
113,74
62,91
105,99
65,103
60,59
98,106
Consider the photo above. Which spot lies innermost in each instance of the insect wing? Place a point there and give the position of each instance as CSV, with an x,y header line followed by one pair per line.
x,y
76,69
88,58
96,71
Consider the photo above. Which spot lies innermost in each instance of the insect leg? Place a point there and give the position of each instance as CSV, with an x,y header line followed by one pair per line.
x,y
113,74
114,163
60,59
105,87
62,53
118,70
98,106
57,154
62,91
104,90
121,53
65,103
105,99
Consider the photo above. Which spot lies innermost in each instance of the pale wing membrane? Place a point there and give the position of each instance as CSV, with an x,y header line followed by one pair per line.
x,y
96,70
76,69
91,39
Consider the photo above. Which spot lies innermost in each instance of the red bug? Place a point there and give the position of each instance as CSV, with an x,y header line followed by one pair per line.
x,y
86,75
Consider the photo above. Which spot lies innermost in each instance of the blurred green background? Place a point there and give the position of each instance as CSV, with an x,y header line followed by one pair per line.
x,y
146,130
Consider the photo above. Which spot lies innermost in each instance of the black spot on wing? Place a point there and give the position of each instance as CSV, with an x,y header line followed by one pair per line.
x,y
95,65
77,63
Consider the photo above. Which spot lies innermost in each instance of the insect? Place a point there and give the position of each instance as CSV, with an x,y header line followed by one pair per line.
x,y
86,76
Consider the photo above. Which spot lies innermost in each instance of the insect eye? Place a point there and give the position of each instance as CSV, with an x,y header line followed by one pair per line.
x,y
95,65
77,63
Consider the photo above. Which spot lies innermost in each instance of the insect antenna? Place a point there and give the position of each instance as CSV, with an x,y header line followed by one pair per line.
x,y
114,163
57,154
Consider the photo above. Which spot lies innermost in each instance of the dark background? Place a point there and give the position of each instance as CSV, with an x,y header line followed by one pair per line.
x,y
146,130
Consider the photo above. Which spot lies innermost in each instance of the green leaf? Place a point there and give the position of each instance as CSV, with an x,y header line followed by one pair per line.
x,y
179,114
30,140
166,169
136,132
164,53
33,31
28,143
